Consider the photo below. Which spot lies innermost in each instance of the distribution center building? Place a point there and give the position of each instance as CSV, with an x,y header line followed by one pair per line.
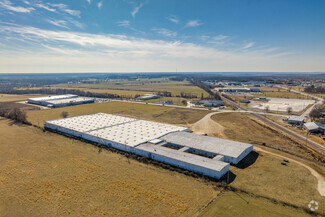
x,y
165,143
60,100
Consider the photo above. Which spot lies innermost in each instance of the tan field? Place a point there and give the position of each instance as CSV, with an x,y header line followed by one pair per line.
x,y
280,93
45,174
175,87
123,93
12,97
244,128
163,114
240,204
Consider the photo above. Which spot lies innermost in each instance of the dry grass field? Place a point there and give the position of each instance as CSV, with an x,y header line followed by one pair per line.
x,y
244,128
280,93
12,97
267,177
289,183
123,93
175,87
45,174
239,204
142,111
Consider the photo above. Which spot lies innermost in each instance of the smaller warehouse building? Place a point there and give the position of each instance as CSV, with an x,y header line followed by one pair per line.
x,y
208,103
295,120
149,96
239,89
60,100
69,102
313,127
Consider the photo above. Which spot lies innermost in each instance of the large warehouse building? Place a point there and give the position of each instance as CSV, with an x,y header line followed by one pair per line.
x,y
60,100
161,142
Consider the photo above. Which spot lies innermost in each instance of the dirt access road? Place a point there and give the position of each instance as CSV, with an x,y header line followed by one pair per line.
x,y
207,126
320,178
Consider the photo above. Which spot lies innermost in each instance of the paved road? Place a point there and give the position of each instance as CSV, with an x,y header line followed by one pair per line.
x,y
311,144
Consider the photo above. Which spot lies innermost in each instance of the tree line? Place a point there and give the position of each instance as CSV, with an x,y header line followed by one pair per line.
x,y
313,89
14,114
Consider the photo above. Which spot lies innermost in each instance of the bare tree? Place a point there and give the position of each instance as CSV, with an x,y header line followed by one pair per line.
x,y
64,114
289,110
316,112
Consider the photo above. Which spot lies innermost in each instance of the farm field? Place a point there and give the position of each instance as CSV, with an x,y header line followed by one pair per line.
x,y
59,176
150,85
123,93
163,114
279,93
13,97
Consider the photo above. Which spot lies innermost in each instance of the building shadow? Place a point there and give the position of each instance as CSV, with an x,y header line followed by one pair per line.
x,y
248,160
228,178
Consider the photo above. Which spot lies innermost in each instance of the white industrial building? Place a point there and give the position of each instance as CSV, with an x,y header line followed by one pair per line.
x,y
149,96
165,143
60,100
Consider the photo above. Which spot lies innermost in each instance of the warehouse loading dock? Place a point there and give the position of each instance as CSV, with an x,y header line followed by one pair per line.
x,y
165,143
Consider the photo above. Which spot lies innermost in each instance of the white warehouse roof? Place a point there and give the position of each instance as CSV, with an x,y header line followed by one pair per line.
x,y
123,130
208,163
296,118
209,144
69,100
47,98
161,142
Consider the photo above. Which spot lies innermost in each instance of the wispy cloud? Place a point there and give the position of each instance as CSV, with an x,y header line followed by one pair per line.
x,y
124,23
26,2
109,52
66,9
249,45
173,18
193,23
63,50
89,1
165,32
46,7
99,4
217,40
136,9
19,9
59,23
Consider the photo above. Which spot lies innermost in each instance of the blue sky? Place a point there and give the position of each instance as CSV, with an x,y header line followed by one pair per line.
x,y
162,35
